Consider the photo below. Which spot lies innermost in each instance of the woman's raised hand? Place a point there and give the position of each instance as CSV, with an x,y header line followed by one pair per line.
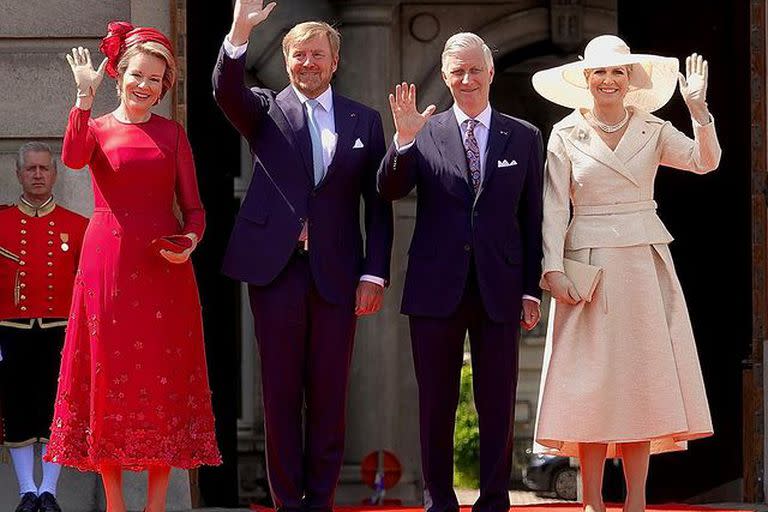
x,y
693,87
408,120
562,288
87,79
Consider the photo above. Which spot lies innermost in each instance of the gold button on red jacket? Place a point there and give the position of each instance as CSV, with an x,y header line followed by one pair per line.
x,y
39,252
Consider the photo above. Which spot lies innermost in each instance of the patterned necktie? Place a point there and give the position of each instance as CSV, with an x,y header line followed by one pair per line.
x,y
473,155
318,164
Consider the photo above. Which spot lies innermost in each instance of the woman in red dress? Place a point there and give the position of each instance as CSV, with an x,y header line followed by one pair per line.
x,y
133,391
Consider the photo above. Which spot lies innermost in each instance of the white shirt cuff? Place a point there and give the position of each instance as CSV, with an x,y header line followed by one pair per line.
x,y
232,51
373,279
534,299
402,149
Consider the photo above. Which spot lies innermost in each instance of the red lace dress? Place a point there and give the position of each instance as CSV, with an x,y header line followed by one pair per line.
x,y
133,388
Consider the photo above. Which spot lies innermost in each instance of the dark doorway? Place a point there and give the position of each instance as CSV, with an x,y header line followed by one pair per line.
x,y
709,216
217,156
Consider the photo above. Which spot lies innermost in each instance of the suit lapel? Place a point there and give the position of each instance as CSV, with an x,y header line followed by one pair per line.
x,y
345,119
635,138
447,137
498,138
296,129
584,139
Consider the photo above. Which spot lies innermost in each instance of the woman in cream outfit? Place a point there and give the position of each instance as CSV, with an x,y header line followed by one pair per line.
x,y
621,373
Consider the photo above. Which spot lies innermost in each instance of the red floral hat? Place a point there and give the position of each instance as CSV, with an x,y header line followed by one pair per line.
x,y
122,35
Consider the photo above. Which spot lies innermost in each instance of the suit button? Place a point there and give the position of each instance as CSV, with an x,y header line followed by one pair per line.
x,y
23,308
23,297
22,285
22,263
50,263
50,309
467,247
23,231
23,274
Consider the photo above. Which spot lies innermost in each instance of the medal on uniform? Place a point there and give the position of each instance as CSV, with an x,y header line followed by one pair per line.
x,y
64,239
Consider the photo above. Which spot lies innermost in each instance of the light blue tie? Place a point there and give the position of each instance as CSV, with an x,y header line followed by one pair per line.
x,y
317,142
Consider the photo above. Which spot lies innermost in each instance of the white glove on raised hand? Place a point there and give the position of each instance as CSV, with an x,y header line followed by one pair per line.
x,y
86,78
693,87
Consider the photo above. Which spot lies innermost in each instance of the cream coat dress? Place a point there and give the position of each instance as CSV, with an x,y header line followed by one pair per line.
x,y
623,367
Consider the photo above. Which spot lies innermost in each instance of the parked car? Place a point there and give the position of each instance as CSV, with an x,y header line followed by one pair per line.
x,y
551,474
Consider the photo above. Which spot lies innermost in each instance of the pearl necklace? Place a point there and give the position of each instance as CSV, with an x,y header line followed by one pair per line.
x,y
610,128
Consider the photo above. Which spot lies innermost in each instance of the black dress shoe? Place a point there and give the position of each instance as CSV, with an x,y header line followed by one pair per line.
x,y
48,503
29,503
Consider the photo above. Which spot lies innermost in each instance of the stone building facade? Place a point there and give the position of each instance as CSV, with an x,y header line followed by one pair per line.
x,y
383,42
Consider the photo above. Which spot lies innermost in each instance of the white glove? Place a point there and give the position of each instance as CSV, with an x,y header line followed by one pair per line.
x,y
86,78
693,87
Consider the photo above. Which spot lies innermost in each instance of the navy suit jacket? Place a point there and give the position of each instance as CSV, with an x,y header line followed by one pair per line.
x,y
282,193
501,227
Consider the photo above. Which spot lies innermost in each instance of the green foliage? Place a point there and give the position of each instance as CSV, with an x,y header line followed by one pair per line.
x,y
466,451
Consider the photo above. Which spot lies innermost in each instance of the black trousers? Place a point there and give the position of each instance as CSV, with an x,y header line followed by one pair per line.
x,y
29,375
438,351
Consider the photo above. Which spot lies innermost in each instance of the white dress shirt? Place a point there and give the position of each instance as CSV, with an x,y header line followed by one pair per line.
x,y
482,130
325,121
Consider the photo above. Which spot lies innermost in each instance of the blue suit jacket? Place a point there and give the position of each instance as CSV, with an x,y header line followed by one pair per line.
x,y
282,192
501,227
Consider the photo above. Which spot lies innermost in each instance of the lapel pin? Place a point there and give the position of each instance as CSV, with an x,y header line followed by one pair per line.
x,y
64,239
504,133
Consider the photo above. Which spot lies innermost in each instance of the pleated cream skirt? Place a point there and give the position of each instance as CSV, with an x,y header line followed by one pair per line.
x,y
624,367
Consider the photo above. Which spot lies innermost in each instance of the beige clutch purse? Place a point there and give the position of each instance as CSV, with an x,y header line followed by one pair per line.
x,y
584,277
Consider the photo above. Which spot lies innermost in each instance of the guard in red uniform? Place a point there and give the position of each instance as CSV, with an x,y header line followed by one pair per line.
x,y
39,250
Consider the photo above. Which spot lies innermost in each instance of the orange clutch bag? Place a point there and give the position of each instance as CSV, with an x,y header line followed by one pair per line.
x,y
173,243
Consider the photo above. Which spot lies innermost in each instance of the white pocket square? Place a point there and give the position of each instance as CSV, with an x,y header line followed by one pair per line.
x,y
358,144
505,163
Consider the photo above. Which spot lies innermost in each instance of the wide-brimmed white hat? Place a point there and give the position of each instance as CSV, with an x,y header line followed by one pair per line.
x,y
652,81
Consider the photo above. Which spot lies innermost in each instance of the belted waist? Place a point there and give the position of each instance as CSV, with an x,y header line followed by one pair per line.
x,y
612,209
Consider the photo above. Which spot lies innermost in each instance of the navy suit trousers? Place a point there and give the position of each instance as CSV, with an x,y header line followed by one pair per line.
x,y
305,345
438,349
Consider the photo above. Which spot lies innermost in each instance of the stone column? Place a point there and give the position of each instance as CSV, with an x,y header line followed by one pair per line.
x,y
382,404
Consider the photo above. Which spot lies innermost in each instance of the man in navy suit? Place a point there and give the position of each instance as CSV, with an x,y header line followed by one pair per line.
x,y
298,245
474,261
